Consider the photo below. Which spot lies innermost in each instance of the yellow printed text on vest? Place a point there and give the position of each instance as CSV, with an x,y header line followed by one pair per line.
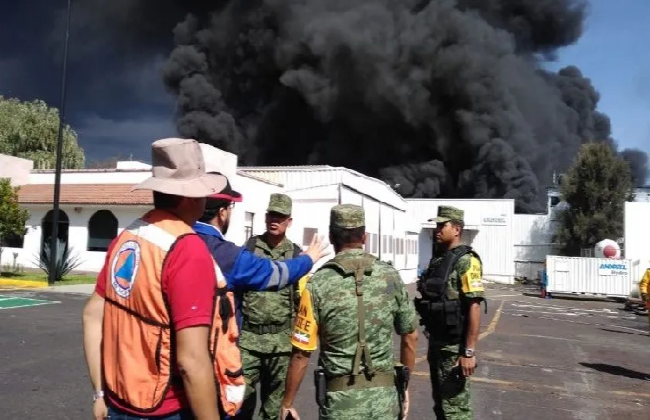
x,y
472,278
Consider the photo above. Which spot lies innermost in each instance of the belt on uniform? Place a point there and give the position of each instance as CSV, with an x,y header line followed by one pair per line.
x,y
266,328
345,383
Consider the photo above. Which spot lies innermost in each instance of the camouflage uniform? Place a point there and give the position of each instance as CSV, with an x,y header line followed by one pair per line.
x,y
329,312
266,330
451,391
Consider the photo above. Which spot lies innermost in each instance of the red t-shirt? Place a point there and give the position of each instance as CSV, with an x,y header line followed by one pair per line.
x,y
188,280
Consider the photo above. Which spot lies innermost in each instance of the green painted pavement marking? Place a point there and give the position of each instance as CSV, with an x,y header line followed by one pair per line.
x,y
8,302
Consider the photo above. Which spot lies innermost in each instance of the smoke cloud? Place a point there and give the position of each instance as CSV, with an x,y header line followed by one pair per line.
x,y
445,98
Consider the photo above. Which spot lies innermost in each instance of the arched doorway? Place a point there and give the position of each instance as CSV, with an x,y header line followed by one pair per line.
x,y
62,230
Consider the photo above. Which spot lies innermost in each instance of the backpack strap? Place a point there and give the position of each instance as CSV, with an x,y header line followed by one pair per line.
x,y
297,250
292,296
360,267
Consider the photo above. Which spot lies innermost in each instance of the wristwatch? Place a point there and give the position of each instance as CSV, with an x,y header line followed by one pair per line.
x,y
469,353
98,395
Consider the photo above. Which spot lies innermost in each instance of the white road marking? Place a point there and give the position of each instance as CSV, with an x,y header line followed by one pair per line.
x,y
30,305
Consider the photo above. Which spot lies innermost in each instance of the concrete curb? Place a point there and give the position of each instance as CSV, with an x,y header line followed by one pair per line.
x,y
24,284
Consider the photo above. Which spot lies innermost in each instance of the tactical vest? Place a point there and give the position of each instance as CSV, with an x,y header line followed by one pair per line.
x,y
444,318
260,321
359,379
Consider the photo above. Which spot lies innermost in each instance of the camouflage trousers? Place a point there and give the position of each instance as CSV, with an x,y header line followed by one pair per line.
x,y
269,370
451,391
363,404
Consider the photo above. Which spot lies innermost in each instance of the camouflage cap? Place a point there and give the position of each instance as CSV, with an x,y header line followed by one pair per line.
x,y
280,203
447,213
347,216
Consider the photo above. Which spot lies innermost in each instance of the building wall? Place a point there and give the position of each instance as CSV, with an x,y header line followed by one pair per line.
x,y
385,232
78,234
533,242
637,232
99,176
294,178
255,193
489,229
16,169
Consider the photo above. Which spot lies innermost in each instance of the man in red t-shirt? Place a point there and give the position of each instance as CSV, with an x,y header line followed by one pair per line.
x,y
179,185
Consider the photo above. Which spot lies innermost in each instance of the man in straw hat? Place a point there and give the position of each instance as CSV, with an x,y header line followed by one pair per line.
x,y
147,324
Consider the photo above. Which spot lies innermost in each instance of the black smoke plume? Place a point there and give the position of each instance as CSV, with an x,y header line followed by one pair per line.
x,y
445,98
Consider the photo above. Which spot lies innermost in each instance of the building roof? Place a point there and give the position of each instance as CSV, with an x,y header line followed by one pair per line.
x,y
117,194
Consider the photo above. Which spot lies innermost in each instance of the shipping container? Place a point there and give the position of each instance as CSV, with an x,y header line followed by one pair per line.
x,y
488,228
603,277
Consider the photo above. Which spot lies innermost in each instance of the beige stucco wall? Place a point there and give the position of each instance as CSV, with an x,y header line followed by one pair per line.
x,y
16,169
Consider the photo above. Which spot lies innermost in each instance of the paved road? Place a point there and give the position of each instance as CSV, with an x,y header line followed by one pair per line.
x,y
539,359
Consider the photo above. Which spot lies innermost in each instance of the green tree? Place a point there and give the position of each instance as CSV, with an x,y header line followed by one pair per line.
x,y
29,130
12,217
595,189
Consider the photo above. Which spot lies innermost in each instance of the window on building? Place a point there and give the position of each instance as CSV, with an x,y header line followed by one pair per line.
x,y
391,244
308,235
248,225
102,229
401,245
374,243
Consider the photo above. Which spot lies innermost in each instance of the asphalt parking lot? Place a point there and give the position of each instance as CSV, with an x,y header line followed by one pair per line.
x,y
538,359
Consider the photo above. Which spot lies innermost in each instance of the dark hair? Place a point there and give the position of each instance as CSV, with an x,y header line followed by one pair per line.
x,y
459,224
212,208
340,236
163,201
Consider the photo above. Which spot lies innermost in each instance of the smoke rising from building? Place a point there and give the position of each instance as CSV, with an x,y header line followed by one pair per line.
x,y
446,98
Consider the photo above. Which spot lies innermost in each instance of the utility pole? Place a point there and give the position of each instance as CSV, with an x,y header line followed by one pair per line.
x,y
59,151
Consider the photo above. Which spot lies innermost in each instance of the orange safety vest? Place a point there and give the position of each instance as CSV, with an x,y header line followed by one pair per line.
x,y
138,340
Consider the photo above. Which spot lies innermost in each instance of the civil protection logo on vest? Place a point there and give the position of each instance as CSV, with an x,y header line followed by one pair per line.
x,y
124,268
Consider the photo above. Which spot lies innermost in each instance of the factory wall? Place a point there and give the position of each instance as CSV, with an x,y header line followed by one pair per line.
x,y
488,228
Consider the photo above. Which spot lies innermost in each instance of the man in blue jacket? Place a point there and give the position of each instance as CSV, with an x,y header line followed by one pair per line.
x,y
242,269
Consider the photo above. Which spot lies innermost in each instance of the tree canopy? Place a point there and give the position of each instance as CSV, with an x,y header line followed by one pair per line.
x,y
12,217
595,188
29,130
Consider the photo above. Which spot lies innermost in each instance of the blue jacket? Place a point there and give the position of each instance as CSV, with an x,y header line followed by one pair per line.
x,y
246,271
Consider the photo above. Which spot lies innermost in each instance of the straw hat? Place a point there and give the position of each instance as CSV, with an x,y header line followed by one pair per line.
x,y
178,168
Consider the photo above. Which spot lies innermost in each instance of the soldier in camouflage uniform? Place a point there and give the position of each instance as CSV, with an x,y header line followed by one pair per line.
x,y
452,292
267,318
352,300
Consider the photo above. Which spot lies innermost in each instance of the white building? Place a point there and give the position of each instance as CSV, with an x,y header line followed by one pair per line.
x,y
95,205
488,229
533,234
637,232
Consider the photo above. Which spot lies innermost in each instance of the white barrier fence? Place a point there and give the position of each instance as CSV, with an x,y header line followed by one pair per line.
x,y
593,276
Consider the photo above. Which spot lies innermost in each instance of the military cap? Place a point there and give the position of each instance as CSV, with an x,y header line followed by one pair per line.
x,y
347,216
280,203
447,213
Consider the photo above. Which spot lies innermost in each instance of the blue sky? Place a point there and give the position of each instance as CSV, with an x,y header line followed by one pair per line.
x,y
613,53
